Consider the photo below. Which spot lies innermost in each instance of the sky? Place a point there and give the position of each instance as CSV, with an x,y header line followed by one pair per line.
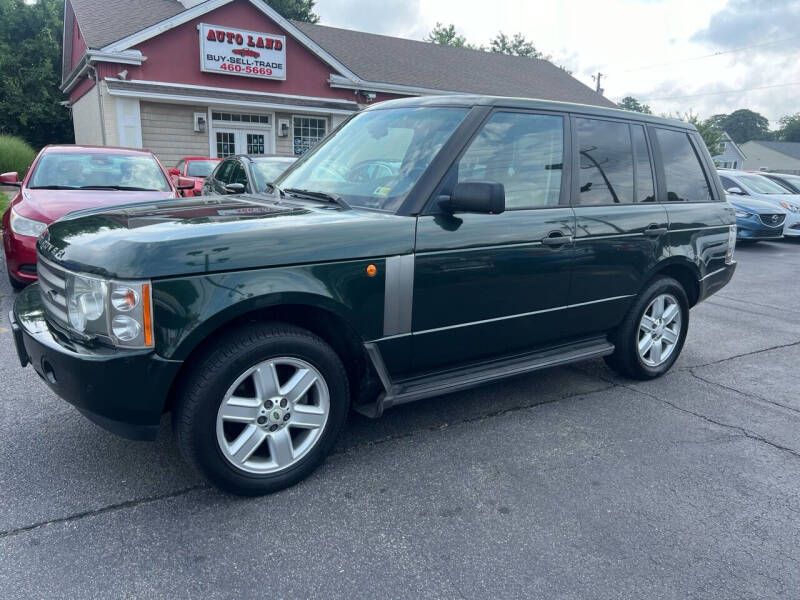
x,y
675,55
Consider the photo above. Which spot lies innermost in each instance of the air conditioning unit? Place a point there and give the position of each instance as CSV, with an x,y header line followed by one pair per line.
x,y
200,122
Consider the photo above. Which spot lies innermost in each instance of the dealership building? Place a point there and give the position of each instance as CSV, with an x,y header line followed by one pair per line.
x,y
221,77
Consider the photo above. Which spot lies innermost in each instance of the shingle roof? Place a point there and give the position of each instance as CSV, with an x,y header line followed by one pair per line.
x,y
105,21
788,148
374,58
384,59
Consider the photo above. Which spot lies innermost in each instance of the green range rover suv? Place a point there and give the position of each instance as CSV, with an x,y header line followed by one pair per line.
x,y
426,246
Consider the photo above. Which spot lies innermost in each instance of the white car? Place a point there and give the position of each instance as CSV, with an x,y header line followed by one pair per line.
x,y
745,183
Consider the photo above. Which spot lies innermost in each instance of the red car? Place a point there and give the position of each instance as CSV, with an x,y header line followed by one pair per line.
x,y
196,168
63,179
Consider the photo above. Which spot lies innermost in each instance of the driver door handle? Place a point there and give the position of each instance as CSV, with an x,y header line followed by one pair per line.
x,y
557,238
655,231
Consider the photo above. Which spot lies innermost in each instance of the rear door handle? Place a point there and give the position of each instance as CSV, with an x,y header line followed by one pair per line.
x,y
655,230
557,239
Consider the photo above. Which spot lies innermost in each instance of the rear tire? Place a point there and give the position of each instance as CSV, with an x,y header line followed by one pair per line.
x,y
261,408
650,339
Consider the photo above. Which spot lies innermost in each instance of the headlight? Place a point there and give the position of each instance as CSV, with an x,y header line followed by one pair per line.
x,y
117,310
795,208
742,214
25,226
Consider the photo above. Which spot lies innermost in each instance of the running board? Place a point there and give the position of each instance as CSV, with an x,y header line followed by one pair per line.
x,y
449,381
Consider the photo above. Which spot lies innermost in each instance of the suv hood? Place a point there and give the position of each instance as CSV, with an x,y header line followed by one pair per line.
x,y
219,233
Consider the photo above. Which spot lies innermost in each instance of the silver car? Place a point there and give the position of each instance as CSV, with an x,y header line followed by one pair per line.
x,y
745,183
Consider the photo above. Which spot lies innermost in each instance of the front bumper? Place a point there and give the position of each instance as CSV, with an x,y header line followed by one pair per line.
x,y
20,253
122,391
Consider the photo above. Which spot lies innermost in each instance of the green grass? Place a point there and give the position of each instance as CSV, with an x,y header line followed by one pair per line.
x,y
15,155
5,198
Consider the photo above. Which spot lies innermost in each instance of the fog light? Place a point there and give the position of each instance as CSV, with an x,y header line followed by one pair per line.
x,y
125,328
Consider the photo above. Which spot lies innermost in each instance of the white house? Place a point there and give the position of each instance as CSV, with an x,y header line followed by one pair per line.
x,y
731,156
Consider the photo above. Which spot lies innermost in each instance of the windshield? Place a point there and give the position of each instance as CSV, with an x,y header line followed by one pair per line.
x,y
92,170
267,170
375,159
762,185
200,168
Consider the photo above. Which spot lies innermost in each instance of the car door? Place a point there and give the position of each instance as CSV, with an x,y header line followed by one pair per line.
x,y
621,230
487,285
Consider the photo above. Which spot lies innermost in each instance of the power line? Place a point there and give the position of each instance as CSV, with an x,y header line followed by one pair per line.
x,y
763,87
720,53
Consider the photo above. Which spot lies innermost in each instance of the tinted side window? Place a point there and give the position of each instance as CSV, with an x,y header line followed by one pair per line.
x,y
606,162
684,176
524,152
179,166
224,172
645,190
727,183
238,174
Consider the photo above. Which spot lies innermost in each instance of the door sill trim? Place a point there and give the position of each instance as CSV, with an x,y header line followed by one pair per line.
x,y
442,382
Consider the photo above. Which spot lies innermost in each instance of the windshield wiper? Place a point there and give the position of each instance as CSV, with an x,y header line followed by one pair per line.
x,y
274,188
125,188
53,187
324,196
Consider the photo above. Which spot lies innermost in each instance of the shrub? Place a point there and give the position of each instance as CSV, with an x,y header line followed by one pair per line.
x,y
15,155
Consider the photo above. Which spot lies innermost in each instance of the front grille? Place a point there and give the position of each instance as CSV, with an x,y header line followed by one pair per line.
x,y
772,220
53,290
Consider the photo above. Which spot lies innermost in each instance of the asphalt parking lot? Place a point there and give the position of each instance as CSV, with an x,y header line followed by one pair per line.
x,y
568,483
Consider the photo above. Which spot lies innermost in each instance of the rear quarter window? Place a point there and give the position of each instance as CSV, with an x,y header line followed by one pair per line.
x,y
684,176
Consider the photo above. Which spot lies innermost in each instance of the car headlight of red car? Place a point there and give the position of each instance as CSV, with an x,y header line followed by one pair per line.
x,y
25,226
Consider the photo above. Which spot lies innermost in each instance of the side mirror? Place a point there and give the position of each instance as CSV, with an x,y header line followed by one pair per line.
x,y
11,178
234,188
184,183
736,190
174,171
486,197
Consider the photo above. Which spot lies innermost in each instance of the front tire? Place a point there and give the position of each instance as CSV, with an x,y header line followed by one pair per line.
x,y
650,339
261,409
15,283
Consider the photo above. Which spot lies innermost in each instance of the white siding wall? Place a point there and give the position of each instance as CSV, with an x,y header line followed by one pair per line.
x,y
168,131
86,120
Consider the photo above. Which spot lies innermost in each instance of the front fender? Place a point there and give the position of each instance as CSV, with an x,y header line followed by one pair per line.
x,y
186,310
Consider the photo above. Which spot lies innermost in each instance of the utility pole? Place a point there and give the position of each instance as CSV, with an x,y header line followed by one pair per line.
x,y
598,78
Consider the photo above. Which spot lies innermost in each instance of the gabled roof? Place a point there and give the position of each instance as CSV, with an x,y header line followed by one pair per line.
x,y
728,139
385,59
105,21
788,148
362,58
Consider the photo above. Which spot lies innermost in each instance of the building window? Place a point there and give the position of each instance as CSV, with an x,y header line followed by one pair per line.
x,y
226,144
307,132
255,143
239,118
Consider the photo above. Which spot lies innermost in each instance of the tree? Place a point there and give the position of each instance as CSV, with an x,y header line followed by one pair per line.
x,y
446,35
708,130
297,10
30,72
515,46
744,125
631,103
790,128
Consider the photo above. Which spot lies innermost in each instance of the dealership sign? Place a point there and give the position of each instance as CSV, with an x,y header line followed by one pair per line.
x,y
239,52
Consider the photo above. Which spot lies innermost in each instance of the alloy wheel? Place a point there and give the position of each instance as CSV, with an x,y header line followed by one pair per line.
x,y
272,415
659,330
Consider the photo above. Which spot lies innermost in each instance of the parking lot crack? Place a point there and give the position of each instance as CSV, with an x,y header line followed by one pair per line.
x,y
735,356
103,510
741,430
746,394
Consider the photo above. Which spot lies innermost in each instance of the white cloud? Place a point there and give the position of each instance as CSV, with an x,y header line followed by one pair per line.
x,y
619,37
